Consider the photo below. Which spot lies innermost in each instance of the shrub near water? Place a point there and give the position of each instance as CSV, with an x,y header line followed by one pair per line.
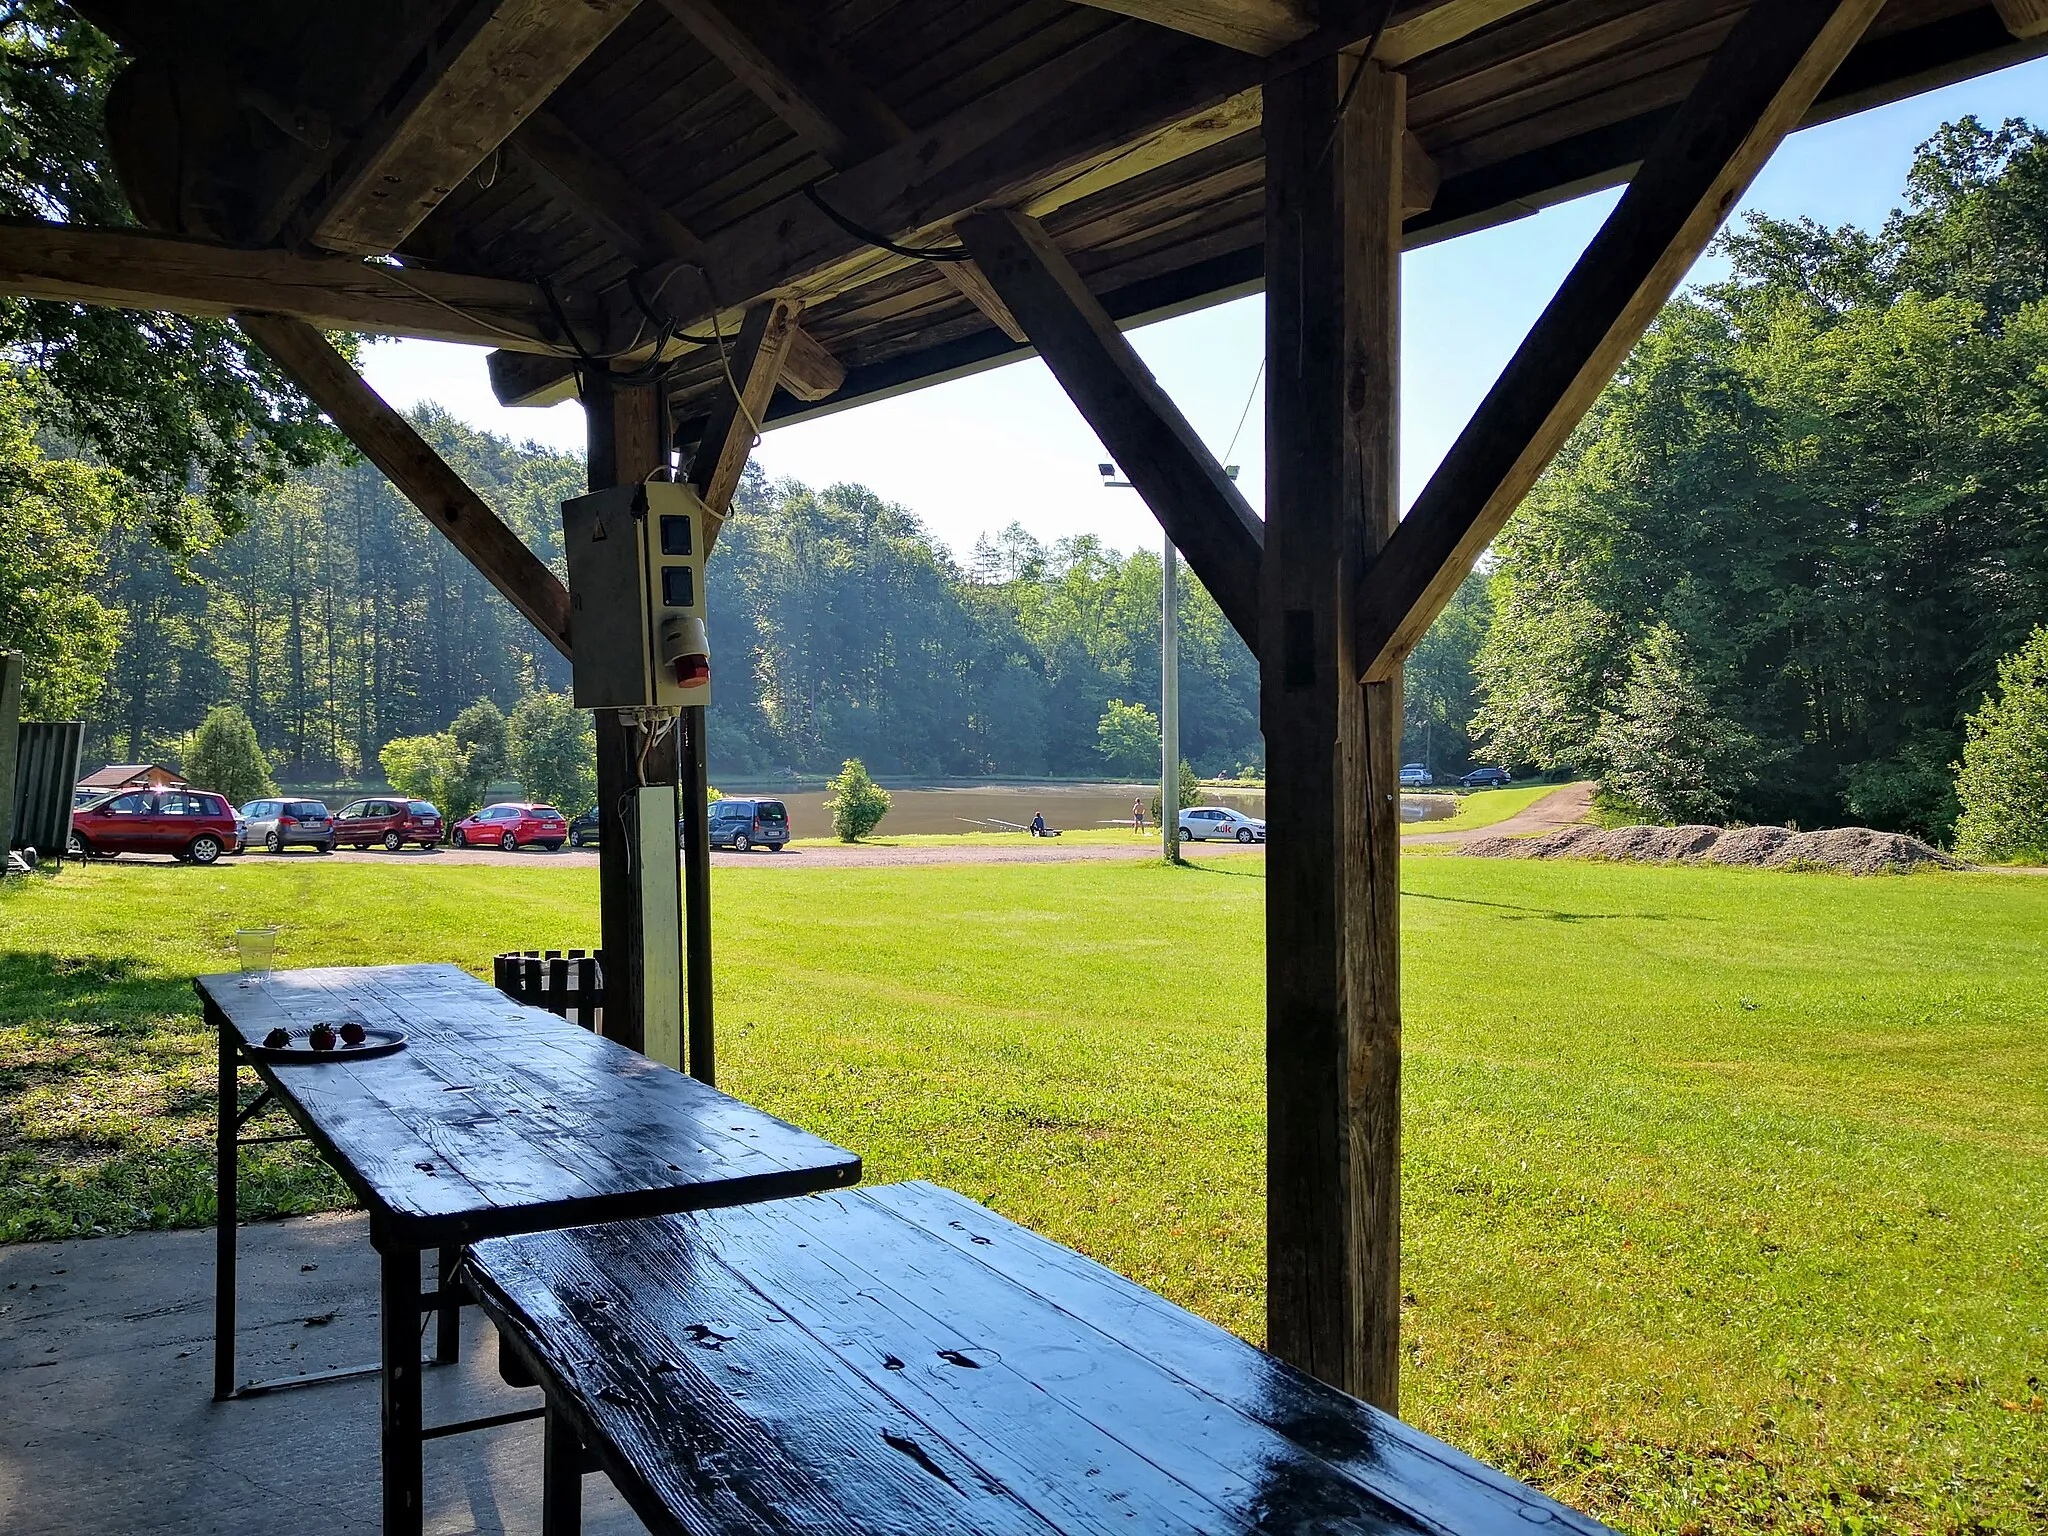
x,y
858,803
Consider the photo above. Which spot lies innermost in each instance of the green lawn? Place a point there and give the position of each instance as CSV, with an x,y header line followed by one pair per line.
x,y
1726,1200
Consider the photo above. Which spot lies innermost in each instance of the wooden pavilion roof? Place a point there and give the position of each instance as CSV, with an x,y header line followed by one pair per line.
x,y
631,169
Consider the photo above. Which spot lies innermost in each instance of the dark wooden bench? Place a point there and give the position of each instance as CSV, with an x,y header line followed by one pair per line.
x,y
900,1360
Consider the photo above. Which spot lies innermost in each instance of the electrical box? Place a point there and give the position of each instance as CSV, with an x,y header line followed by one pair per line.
x,y
636,597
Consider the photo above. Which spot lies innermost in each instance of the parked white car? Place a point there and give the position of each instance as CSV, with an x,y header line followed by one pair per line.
x,y
1205,822
1416,776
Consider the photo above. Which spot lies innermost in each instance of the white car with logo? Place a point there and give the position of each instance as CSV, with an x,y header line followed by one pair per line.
x,y
1204,823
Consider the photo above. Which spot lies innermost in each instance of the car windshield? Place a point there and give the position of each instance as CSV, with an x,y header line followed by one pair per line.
x,y
547,813
305,808
773,811
421,808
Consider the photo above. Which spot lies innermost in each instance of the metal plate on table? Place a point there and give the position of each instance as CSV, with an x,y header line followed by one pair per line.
x,y
376,1042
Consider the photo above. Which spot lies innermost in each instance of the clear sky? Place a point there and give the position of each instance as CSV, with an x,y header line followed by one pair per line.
x,y
974,455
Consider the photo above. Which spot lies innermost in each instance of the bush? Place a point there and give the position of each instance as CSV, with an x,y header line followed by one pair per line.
x,y
1127,736
427,768
857,803
1190,794
223,756
2002,780
484,743
554,751
1664,750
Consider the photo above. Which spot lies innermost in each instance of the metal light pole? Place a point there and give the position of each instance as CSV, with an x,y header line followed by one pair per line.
x,y
1169,702
1169,681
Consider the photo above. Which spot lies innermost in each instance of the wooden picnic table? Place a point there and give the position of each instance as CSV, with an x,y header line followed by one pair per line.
x,y
900,1359
494,1119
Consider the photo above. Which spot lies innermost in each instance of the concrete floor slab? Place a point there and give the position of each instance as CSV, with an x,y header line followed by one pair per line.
x,y
107,1424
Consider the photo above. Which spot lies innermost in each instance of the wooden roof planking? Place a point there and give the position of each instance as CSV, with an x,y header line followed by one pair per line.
x,y
632,170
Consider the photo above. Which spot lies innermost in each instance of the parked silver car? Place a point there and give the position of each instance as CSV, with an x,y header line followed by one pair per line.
x,y
1206,822
282,824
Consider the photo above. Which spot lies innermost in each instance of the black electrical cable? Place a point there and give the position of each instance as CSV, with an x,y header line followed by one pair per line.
x,y
1372,46
881,242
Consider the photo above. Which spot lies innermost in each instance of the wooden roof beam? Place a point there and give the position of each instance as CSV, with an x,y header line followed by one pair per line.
x,y
2024,18
131,269
1251,26
422,476
775,53
505,60
1754,92
1187,490
1264,27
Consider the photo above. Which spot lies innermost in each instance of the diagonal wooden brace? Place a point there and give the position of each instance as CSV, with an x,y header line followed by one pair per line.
x,y
388,440
1754,92
1187,490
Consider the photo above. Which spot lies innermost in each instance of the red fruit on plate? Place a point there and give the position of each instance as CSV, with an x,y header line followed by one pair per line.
x,y
322,1038
278,1039
352,1033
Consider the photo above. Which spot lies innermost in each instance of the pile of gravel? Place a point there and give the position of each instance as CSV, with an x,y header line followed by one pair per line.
x,y
1841,850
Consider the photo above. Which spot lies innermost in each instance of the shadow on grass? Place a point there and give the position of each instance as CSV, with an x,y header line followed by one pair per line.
x,y
38,985
1547,914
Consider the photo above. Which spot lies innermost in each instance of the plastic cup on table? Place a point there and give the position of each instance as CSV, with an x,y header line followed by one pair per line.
x,y
256,948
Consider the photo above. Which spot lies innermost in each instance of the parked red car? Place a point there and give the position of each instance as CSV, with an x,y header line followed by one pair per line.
x,y
393,822
184,823
512,826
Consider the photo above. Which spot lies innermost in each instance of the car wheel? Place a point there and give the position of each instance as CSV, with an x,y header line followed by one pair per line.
x,y
742,844
428,847
459,838
76,847
323,847
509,842
393,842
575,839
1244,834
775,847
204,850
552,847
274,842
1186,836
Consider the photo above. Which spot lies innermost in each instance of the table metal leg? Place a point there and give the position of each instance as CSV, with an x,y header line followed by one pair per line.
x,y
448,1320
403,1472
225,1188
561,1477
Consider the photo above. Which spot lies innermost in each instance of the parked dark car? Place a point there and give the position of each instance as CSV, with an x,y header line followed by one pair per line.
x,y
282,824
390,821
512,826
1487,778
745,824
584,829
190,824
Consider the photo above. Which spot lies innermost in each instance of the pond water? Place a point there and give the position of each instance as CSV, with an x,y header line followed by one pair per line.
x,y
1009,807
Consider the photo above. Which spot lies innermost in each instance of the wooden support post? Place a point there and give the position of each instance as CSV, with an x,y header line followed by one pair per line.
x,y
1333,1023
628,438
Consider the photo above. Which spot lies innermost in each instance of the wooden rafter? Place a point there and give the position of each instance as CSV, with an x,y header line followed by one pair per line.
x,y
388,440
776,54
1266,26
1187,490
642,229
754,366
136,270
1253,26
1754,92
2024,18
477,89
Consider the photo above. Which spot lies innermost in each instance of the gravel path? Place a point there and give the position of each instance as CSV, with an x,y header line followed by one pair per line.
x,y
1560,808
